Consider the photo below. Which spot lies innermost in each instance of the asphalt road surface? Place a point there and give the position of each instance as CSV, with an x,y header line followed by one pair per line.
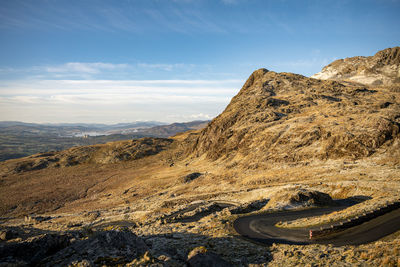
x,y
262,229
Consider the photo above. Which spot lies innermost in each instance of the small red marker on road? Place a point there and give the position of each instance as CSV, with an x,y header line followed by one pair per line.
x,y
310,234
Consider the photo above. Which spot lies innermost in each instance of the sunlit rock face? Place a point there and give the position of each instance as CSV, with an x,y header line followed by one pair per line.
x,y
382,69
286,117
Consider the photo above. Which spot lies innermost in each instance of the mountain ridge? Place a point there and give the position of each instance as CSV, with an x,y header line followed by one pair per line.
x,y
382,69
266,120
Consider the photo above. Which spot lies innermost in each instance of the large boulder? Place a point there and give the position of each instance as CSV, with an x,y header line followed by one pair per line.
x,y
298,198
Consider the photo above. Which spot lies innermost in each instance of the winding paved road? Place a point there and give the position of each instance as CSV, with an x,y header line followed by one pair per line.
x,y
261,228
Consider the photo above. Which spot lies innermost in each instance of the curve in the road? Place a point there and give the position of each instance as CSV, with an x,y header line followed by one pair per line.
x,y
262,229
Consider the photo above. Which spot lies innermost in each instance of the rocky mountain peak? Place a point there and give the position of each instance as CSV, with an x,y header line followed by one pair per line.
x,y
286,117
382,69
255,76
388,56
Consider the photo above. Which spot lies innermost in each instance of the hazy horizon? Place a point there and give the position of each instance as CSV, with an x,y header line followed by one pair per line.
x,y
108,124
171,61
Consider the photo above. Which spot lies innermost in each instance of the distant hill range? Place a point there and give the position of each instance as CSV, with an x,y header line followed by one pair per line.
x,y
19,139
73,129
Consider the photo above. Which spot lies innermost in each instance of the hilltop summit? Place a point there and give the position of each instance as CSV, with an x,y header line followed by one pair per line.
x,y
381,69
286,117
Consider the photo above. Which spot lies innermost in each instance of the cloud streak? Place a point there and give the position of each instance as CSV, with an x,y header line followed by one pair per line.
x,y
165,67
168,100
121,91
105,70
128,16
79,67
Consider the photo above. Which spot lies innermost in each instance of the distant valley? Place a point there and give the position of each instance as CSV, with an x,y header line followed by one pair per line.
x,y
19,139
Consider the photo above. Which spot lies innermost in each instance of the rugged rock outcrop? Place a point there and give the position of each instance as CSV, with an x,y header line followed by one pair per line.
x,y
381,69
102,248
294,198
32,250
307,197
287,117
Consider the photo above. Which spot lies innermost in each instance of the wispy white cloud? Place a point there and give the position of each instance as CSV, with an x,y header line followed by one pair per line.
x,y
119,19
200,116
175,16
99,70
84,69
165,67
175,88
79,67
190,117
40,100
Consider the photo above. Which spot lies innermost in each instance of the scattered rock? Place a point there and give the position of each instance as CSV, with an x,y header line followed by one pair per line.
x,y
27,218
40,219
190,177
93,215
7,234
195,212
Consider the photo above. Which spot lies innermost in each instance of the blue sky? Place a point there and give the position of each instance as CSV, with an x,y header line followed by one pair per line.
x,y
117,61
